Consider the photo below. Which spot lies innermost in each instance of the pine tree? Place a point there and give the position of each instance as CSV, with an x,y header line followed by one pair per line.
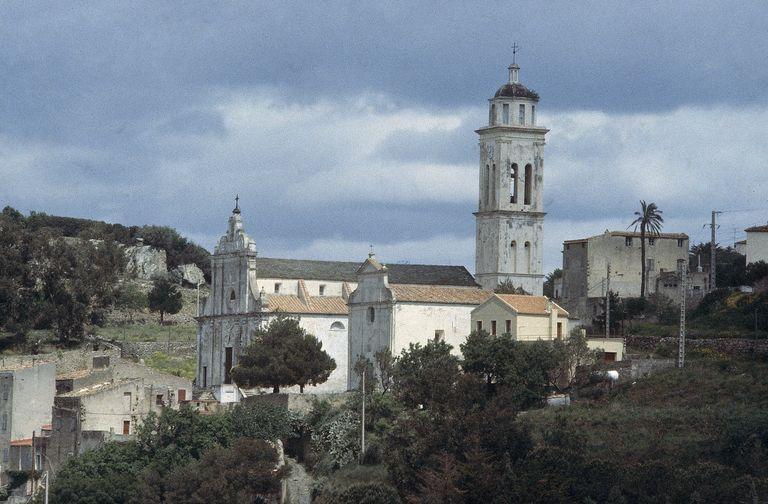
x,y
164,297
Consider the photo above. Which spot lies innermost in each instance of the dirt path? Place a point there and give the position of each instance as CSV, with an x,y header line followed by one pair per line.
x,y
299,484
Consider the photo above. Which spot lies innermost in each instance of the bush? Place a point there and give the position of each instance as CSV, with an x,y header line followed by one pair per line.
x,y
368,493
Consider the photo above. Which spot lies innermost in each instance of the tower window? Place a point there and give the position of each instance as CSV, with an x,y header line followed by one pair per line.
x,y
528,180
513,255
533,115
492,118
527,257
487,183
493,186
505,113
513,183
521,114
371,314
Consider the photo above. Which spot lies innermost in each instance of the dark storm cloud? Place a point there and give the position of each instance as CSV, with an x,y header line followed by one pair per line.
x,y
334,119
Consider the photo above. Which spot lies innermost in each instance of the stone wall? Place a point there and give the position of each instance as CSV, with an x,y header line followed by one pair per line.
x,y
144,349
738,347
297,403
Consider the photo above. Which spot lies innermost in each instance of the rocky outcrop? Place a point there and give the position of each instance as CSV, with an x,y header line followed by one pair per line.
x,y
145,262
188,275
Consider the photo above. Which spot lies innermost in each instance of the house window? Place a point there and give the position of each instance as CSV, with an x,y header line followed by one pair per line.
x,y
277,287
182,395
126,427
439,335
5,421
505,113
559,330
628,241
521,114
651,241
528,184
508,327
680,242
321,289
159,400
371,314
127,400
493,327
479,325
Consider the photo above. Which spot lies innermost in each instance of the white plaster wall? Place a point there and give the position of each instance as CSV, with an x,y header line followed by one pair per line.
x,y
417,323
32,396
615,345
757,247
106,410
290,286
625,263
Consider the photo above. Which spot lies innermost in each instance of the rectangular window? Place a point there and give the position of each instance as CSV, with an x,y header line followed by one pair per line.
x,y
127,401
680,242
628,241
205,376
439,335
533,114
321,289
479,325
182,395
493,327
651,241
505,113
508,327
521,115
159,400
228,365
650,264
126,427
277,288
559,330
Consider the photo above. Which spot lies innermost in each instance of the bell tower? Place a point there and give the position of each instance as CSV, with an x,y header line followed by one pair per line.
x,y
510,213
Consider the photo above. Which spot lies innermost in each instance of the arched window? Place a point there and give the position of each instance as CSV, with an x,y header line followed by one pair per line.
x,y
487,184
527,257
337,326
493,186
528,184
371,314
513,255
492,116
232,296
513,183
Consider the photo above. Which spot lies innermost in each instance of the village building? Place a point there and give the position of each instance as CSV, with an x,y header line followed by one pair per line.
x,y
756,246
525,318
510,214
585,267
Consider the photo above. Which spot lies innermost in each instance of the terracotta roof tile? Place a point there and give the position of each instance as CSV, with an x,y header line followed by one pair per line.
x,y
22,442
325,305
438,294
531,305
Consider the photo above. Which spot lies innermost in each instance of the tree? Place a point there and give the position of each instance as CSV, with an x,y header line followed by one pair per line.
x,y
283,355
549,282
385,363
164,297
649,220
507,287
425,375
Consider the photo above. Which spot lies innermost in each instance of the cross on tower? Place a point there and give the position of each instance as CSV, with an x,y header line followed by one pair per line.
x,y
515,48
237,204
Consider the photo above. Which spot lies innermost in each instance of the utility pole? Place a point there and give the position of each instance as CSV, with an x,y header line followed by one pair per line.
x,y
682,267
608,300
713,252
362,423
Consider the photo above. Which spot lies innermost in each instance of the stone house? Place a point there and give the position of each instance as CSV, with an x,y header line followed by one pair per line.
x,y
525,318
26,399
585,266
756,247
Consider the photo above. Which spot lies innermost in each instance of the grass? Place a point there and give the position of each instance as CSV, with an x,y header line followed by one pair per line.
x,y
148,332
178,366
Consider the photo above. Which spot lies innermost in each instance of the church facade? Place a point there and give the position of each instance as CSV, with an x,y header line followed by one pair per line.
x,y
358,309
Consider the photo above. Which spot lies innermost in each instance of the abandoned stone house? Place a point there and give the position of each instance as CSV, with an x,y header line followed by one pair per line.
x,y
354,309
585,267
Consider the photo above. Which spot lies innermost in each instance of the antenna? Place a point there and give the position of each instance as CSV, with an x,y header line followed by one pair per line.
x,y
515,48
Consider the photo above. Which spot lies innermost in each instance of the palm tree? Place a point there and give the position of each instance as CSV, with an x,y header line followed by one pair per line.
x,y
649,220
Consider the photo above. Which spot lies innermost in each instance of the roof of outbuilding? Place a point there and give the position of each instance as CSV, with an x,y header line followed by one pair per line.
x,y
425,274
516,90
757,229
438,294
633,234
530,305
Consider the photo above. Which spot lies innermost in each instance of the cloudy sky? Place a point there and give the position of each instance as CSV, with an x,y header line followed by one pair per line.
x,y
347,123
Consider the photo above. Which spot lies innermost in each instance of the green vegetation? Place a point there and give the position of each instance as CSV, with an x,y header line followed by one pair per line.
x,y
182,457
283,354
649,220
148,332
171,364
164,297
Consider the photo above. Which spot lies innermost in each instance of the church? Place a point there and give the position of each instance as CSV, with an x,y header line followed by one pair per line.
x,y
356,308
